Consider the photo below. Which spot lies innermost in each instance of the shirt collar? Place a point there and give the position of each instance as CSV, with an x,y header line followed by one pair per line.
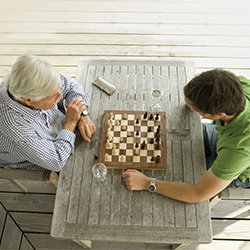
x,y
18,107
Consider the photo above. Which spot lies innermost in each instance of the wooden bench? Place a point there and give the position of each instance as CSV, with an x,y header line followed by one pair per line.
x,y
14,175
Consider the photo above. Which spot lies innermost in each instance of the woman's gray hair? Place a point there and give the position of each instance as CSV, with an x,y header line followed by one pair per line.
x,y
31,77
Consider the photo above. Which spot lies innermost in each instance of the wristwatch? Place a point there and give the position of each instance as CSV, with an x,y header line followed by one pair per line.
x,y
85,112
152,187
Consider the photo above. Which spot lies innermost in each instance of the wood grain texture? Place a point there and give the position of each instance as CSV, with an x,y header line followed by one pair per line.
x,y
86,211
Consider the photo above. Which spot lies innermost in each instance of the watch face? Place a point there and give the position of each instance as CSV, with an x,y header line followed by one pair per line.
x,y
151,188
85,112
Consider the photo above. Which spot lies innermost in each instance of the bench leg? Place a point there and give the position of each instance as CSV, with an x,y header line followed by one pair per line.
x,y
180,246
83,243
19,185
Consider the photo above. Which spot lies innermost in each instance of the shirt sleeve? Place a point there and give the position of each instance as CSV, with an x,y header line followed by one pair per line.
x,y
48,154
71,90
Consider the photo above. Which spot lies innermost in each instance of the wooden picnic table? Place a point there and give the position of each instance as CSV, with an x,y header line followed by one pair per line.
x,y
85,211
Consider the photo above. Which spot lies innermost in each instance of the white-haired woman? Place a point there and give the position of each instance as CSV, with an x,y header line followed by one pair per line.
x,y
33,131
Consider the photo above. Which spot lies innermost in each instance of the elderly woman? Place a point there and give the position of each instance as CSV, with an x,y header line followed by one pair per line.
x,y
34,133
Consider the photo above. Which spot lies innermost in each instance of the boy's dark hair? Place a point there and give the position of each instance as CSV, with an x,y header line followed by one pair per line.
x,y
216,91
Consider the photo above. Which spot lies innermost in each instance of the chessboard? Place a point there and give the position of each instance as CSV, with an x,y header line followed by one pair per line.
x,y
133,139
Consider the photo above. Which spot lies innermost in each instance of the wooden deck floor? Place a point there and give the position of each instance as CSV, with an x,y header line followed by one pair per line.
x,y
212,33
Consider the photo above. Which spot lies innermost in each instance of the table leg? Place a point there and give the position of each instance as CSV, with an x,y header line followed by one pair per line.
x,y
180,246
83,243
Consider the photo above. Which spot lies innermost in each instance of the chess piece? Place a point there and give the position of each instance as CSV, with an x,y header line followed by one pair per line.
x,y
114,146
157,138
149,129
157,159
108,145
117,123
157,117
145,115
151,117
121,139
137,121
158,129
124,128
152,158
129,134
109,133
137,133
111,116
137,151
106,157
125,116
143,145
137,145
157,146
151,141
122,158
110,138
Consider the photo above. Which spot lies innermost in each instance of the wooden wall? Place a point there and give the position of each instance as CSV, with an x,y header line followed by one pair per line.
x,y
212,33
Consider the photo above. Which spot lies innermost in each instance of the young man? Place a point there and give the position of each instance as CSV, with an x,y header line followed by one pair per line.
x,y
34,133
221,96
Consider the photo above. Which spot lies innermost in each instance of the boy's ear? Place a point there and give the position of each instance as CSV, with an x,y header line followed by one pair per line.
x,y
222,115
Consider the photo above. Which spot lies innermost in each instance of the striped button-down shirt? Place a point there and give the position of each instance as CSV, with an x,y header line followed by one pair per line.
x,y
34,139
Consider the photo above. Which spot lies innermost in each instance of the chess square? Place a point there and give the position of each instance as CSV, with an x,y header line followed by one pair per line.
x,y
136,158
130,140
144,129
117,128
150,146
108,157
150,134
124,122
120,158
149,159
118,116
122,146
130,128
129,152
143,152
116,139
123,133
131,117
157,152
115,151
150,123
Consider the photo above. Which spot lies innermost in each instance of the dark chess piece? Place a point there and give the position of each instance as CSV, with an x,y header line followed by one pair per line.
x,y
137,121
158,129
157,117
152,158
151,117
137,145
157,137
137,133
157,146
157,159
149,129
151,141
143,145
145,115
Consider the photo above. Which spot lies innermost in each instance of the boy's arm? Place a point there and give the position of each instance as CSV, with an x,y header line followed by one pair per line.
x,y
208,186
